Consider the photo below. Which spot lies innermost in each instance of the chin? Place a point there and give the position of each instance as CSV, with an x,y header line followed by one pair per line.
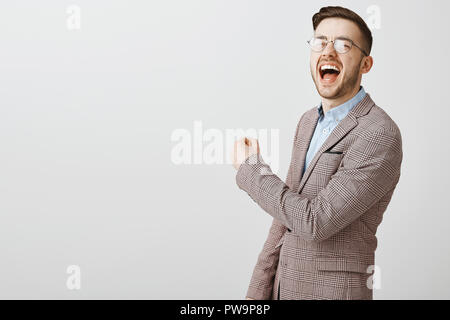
x,y
329,92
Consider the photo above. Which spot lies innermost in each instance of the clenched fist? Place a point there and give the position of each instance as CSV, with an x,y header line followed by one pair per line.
x,y
243,149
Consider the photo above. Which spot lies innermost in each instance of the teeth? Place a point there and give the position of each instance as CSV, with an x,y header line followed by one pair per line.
x,y
327,66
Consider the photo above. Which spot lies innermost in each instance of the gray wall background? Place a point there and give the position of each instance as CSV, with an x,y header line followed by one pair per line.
x,y
86,118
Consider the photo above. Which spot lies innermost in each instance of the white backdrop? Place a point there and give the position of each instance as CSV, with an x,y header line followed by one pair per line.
x,y
93,91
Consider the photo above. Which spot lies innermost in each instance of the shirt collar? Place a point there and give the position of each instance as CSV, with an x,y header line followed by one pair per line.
x,y
340,112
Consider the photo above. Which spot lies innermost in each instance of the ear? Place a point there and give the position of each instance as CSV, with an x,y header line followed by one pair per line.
x,y
366,64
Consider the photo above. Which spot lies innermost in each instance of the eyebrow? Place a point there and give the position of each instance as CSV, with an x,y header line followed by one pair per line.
x,y
340,37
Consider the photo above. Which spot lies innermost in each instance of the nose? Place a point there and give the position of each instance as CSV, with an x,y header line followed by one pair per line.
x,y
329,50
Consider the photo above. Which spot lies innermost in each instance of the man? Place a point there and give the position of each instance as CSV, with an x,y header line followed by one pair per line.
x,y
344,168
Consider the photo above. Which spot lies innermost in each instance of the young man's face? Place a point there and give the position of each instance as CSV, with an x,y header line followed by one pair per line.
x,y
351,68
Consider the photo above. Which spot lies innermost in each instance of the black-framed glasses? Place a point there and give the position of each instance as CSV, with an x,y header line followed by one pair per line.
x,y
341,45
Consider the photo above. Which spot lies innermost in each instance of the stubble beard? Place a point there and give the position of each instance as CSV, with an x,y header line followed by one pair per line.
x,y
346,86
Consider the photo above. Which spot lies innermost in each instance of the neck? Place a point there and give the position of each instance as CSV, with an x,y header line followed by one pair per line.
x,y
328,104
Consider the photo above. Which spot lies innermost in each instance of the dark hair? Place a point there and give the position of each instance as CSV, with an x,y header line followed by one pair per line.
x,y
340,12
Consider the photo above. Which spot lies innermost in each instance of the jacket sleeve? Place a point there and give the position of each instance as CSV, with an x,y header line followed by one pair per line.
x,y
371,168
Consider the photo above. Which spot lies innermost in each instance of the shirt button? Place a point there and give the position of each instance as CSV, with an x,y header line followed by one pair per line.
x,y
325,131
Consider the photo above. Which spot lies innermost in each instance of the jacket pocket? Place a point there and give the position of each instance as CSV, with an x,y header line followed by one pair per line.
x,y
341,264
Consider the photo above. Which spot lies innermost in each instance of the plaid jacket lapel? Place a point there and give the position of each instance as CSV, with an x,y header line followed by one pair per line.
x,y
303,138
344,127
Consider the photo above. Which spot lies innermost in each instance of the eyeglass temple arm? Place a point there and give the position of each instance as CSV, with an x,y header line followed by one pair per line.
x,y
362,50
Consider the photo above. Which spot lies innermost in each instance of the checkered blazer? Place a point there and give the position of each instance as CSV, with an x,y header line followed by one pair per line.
x,y
322,242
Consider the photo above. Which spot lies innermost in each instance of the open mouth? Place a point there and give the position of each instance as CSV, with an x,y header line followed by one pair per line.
x,y
329,73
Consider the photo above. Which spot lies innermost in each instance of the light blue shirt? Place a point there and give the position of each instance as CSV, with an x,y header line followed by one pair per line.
x,y
328,122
